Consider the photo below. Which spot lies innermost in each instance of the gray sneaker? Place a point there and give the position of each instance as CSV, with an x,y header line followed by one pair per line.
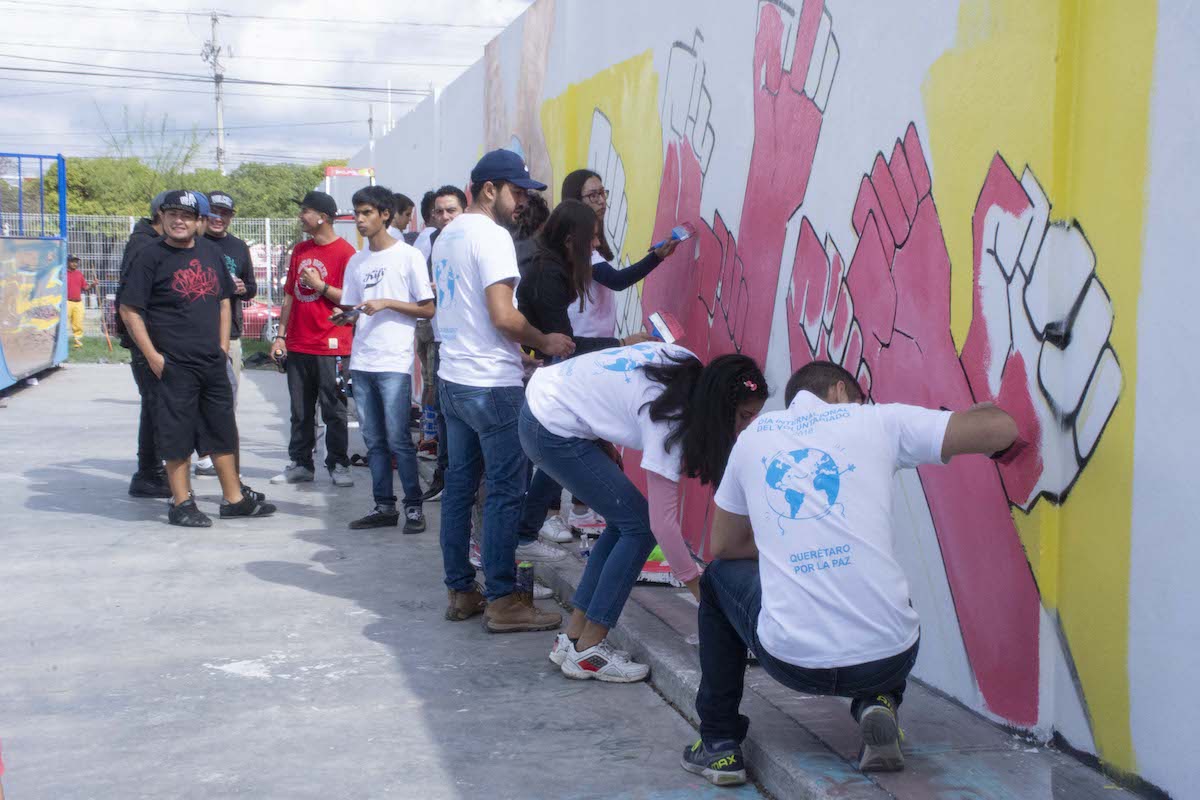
x,y
341,476
294,473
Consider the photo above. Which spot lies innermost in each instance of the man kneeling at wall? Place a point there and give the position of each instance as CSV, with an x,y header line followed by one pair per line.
x,y
805,575
175,303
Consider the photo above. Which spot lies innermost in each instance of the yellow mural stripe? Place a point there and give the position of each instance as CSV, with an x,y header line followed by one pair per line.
x,y
627,94
1065,89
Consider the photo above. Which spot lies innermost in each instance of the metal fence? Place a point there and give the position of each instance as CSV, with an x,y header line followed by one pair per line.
x,y
99,241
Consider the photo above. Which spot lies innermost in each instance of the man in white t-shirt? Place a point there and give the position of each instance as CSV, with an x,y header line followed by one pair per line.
x,y
480,382
387,289
805,573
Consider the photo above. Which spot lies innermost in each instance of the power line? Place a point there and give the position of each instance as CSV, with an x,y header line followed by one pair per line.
x,y
189,77
255,17
289,59
186,130
145,88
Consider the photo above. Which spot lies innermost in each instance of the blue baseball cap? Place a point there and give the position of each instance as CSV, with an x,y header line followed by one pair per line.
x,y
205,207
505,165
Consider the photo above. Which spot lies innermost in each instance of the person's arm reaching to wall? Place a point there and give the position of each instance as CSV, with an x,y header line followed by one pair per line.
x,y
512,323
610,277
983,429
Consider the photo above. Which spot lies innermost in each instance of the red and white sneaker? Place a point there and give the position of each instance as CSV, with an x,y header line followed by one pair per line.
x,y
602,662
474,555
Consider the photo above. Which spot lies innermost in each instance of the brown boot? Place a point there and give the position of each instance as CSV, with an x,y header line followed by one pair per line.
x,y
464,605
516,612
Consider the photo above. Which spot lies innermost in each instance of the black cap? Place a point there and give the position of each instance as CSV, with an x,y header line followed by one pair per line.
x,y
504,165
320,202
182,200
221,200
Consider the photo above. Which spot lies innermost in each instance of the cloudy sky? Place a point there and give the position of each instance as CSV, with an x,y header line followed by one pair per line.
x,y
72,70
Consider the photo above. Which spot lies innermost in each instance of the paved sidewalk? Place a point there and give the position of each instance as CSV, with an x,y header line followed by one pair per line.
x,y
281,658
801,746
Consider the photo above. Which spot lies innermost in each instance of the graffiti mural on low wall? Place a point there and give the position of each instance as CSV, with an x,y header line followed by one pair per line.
x,y
32,306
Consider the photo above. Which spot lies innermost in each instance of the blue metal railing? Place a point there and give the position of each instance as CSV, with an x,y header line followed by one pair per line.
x,y
22,213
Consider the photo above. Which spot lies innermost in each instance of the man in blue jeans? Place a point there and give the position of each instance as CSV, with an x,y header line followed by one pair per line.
x,y
386,290
805,574
480,384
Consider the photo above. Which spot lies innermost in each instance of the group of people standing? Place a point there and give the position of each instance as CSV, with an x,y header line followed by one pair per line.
x,y
509,308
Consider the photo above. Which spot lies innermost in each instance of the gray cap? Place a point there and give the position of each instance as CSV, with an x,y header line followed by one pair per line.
x,y
156,203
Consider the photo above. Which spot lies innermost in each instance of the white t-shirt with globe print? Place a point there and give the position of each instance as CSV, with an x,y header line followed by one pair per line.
x,y
601,395
816,482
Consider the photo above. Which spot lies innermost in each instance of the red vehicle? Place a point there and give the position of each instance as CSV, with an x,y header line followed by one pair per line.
x,y
259,321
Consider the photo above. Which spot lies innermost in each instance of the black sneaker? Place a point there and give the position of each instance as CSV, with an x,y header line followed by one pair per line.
x,y
881,736
436,485
153,486
246,507
721,765
414,520
378,518
187,515
257,497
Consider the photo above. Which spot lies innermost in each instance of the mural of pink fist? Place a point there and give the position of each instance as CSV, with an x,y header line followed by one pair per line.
x,y
1039,334
886,317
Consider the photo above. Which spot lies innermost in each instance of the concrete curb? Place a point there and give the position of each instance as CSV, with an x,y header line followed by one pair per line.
x,y
784,758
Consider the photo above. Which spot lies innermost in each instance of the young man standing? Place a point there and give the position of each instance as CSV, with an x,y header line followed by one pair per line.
x,y
805,573
444,205
77,284
235,255
175,305
150,480
402,216
387,284
480,382
312,344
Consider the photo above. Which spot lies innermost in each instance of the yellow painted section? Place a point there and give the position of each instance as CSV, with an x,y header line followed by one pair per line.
x,y
1065,88
626,93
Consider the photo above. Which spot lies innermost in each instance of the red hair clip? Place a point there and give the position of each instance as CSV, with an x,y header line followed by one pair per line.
x,y
751,385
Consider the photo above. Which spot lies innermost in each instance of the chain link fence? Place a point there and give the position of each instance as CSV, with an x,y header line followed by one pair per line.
x,y
99,241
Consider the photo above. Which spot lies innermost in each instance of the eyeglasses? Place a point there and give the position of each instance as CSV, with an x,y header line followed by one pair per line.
x,y
597,195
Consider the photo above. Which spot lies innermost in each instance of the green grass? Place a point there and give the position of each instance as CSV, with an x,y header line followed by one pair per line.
x,y
95,351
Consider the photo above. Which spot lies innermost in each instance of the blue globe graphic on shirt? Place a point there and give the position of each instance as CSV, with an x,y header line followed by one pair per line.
x,y
803,484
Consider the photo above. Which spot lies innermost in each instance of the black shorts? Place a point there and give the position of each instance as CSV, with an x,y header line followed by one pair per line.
x,y
194,410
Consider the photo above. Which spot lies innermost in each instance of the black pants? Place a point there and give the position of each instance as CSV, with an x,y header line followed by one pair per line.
x,y
149,464
730,599
311,379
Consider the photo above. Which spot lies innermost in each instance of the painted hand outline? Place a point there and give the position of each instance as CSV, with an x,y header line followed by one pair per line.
x,y
1040,330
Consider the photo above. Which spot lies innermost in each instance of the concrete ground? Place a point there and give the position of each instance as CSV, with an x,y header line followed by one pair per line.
x,y
272,658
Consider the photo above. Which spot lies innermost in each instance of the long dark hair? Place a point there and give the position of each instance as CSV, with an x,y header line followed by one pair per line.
x,y
700,405
568,235
572,189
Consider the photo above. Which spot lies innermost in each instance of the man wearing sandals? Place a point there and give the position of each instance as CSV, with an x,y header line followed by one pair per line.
x,y
805,574
175,303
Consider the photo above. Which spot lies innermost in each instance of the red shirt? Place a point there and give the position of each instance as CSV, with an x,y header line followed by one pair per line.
x,y
309,329
76,283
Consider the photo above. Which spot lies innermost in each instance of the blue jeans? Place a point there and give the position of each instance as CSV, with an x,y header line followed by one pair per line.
x,y
481,427
730,599
543,491
620,552
383,400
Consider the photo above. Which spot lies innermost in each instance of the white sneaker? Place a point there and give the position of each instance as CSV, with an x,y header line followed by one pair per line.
x,y
604,663
558,652
555,530
542,592
587,522
538,551
341,476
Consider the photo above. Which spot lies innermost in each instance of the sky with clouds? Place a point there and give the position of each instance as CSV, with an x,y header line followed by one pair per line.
x,y
71,70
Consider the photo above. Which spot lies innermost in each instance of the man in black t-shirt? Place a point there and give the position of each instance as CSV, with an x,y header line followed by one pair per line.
x,y
175,303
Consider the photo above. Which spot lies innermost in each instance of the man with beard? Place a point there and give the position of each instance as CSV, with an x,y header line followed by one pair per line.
x,y
481,386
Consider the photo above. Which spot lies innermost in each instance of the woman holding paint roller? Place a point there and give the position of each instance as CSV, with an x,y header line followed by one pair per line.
x,y
684,417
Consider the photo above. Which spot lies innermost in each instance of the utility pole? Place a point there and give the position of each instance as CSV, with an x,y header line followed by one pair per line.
x,y
371,131
212,55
